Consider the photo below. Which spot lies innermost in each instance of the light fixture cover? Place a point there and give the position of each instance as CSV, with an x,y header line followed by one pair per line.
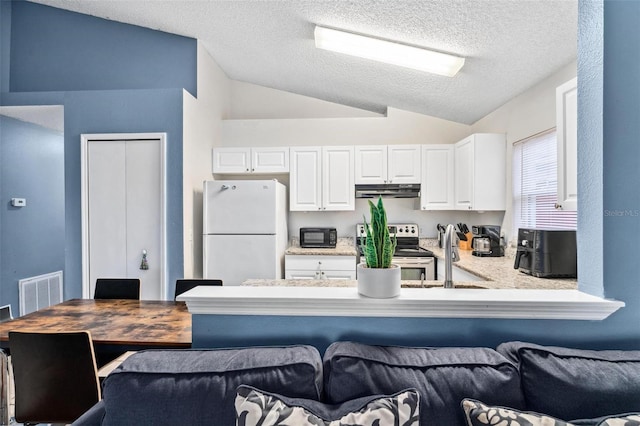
x,y
387,51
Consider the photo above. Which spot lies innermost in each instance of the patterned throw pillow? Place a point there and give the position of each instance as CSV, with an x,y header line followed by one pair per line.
x,y
622,420
479,414
255,407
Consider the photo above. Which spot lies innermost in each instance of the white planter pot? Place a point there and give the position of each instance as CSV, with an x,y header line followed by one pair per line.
x,y
379,282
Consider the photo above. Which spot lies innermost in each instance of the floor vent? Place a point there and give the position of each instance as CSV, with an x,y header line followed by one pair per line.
x,y
40,292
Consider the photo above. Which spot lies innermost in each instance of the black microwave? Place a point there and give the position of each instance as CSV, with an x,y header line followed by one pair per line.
x,y
318,237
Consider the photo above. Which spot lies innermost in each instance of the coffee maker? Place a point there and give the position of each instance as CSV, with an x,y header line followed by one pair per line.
x,y
486,241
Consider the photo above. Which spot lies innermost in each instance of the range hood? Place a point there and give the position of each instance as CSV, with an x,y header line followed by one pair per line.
x,y
388,190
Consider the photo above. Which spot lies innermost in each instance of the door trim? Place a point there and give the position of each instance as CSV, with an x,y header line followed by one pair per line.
x,y
84,200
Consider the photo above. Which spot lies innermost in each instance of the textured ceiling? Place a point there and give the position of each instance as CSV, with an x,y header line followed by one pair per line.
x,y
510,45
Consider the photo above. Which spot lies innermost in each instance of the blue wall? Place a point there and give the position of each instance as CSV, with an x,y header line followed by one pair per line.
x,y
31,237
123,111
5,37
608,173
110,78
57,50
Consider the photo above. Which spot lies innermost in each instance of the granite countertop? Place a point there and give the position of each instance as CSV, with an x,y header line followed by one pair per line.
x,y
497,272
345,246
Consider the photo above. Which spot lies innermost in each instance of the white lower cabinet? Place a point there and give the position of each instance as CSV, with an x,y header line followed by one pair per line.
x,y
320,267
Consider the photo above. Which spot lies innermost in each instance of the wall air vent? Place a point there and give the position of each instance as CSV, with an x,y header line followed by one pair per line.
x,y
40,292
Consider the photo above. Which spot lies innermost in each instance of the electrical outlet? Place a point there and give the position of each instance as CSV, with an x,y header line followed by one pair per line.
x,y
18,202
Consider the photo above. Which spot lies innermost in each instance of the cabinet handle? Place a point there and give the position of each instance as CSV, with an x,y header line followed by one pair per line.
x,y
253,170
246,170
469,207
557,206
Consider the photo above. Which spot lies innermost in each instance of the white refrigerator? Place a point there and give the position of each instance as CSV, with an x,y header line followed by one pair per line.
x,y
245,230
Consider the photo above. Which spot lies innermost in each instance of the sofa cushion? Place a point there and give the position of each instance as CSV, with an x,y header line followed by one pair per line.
x,y
479,414
443,377
198,387
576,383
255,407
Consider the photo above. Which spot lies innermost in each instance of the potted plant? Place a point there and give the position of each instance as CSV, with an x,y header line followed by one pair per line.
x,y
378,277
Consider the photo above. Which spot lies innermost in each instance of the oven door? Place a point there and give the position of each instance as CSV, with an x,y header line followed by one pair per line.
x,y
416,268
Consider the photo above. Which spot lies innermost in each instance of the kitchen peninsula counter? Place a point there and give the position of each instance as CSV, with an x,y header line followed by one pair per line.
x,y
506,294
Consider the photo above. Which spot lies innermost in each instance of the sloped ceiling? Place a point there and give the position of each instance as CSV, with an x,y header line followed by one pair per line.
x,y
510,45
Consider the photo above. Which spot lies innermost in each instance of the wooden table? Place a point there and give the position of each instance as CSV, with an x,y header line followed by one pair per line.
x,y
122,324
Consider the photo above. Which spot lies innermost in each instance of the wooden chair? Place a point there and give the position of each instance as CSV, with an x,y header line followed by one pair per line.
x,y
55,376
185,285
117,288
5,313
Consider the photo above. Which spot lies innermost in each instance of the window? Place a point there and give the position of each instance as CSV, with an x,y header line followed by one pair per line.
x,y
535,185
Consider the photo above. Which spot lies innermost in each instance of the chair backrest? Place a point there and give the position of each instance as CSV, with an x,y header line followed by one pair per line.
x,y
117,288
55,376
5,313
185,285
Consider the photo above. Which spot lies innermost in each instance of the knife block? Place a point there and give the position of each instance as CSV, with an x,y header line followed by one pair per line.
x,y
466,245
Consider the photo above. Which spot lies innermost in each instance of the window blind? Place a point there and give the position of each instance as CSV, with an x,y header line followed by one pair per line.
x,y
535,190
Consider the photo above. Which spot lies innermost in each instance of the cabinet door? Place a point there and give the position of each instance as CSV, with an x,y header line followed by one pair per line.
x,y
338,187
305,185
270,160
464,174
436,188
231,160
567,134
404,163
489,178
371,164
337,275
294,274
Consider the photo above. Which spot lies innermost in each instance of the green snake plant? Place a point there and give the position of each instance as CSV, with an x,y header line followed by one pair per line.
x,y
378,248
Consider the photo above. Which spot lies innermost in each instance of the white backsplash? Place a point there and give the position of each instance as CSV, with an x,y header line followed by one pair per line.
x,y
399,210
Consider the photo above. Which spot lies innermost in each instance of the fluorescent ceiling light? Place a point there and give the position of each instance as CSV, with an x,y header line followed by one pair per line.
x,y
387,51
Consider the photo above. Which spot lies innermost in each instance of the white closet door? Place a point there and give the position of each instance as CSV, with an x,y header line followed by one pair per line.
x,y
107,207
124,191
143,171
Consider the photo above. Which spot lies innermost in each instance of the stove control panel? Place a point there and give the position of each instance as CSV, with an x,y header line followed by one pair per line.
x,y
397,229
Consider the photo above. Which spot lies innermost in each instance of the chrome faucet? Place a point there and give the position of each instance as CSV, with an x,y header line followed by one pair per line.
x,y
451,254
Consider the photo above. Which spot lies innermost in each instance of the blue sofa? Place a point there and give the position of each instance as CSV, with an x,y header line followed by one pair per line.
x,y
454,386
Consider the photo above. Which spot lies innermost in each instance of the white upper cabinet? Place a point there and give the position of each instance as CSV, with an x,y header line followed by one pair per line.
x,y
251,160
567,134
480,172
371,164
305,184
437,185
322,178
377,164
338,187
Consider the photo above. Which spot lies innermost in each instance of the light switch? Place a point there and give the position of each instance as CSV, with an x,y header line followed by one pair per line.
x,y
18,202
